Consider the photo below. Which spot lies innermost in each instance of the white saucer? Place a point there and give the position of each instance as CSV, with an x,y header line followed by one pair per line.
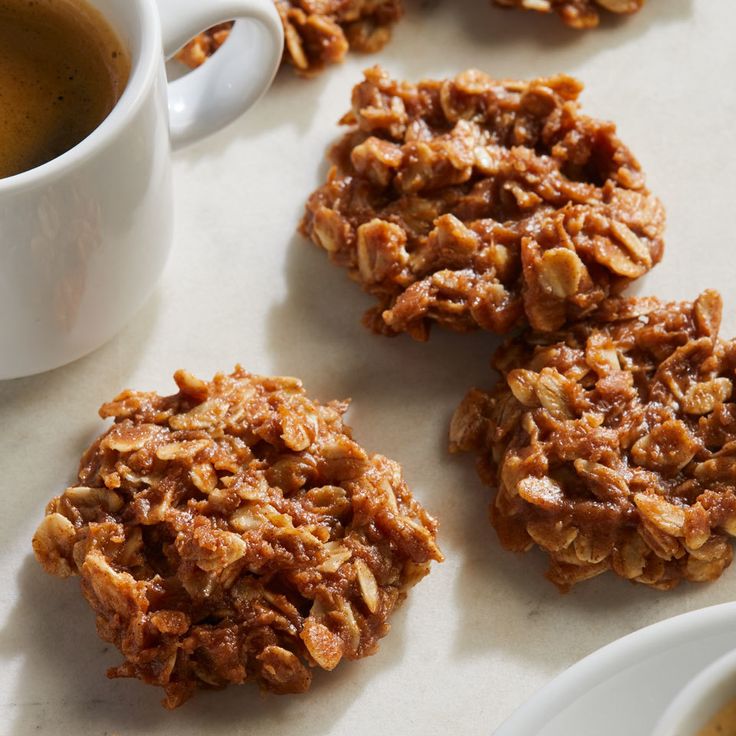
x,y
625,687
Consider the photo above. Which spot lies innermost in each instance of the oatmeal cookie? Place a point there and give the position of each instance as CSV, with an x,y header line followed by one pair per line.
x,y
576,13
613,443
236,532
317,33
477,203
201,47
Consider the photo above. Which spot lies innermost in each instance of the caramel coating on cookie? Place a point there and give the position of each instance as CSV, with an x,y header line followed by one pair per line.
x,y
477,203
236,532
578,14
612,443
317,33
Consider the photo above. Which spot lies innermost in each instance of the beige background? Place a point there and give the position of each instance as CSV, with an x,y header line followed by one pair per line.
x,y
485,630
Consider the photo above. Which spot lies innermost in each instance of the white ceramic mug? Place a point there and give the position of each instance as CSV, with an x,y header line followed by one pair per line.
x,y
85,237
700,700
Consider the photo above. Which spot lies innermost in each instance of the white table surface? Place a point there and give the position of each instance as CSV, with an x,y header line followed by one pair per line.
x,y
485,630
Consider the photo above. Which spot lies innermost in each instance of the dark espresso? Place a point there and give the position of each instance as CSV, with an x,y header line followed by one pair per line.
x,y
62,70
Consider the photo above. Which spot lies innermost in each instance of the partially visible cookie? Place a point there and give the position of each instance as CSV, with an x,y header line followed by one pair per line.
x,y
477,203
318,33
236,532
576,13
612,444
201,47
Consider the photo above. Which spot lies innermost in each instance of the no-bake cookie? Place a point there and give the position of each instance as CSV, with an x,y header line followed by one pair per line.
x,y
477,203
320,32
317,33
612,443
234,532
576,13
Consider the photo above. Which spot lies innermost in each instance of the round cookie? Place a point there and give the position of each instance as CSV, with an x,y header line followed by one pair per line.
x,y
612,444
236,532
477,203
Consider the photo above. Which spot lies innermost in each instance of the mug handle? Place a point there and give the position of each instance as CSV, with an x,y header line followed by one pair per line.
x,y
213,95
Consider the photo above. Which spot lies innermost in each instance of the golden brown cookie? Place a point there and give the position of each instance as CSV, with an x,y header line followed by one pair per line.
x,y
576,13
235,532
477,203
612,443
317,33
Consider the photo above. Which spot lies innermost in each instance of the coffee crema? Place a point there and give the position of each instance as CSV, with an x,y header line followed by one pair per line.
x,y
62,70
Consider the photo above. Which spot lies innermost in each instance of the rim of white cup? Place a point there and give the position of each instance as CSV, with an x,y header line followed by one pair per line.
x,y
143,69
696,703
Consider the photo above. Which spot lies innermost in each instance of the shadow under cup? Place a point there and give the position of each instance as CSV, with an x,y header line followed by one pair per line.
x,y
84,238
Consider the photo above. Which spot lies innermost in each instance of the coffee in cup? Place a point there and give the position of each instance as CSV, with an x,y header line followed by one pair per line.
x,y
62,70
85,236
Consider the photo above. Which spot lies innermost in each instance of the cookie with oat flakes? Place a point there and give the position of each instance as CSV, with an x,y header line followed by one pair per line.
x,y
316,33
578,14
477,203
612,443
236,532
